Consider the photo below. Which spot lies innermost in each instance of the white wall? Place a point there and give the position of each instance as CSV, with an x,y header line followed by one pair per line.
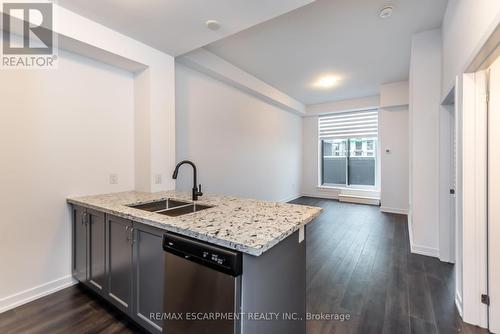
x,y
363,103
394,142
62,132
154,91
425,84
394,183
310,160
394,94
466,26
206,62
241,145
95,128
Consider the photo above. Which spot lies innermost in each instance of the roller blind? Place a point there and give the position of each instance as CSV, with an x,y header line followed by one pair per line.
x,y
349,125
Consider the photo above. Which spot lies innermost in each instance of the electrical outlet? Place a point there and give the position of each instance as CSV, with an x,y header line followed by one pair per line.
x,y
158,179
113,178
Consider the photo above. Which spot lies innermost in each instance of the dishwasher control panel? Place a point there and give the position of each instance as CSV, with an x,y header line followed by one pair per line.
x,y
218,258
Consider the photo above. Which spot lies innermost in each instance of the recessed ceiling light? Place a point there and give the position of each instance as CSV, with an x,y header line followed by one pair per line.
x,y
326,81
212,25
386,12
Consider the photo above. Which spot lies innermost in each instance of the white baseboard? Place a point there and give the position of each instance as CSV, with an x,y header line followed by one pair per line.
x,y
26,296
417,249
458,303
291,198
394,210
424,250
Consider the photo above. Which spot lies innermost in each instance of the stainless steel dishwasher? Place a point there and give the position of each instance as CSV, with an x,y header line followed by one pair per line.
x,y
202,288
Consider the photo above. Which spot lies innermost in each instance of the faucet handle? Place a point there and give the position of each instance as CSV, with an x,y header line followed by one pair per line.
x,y
199,190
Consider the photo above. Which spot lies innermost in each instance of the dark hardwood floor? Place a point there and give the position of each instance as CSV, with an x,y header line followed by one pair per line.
x,y
358,264
74,310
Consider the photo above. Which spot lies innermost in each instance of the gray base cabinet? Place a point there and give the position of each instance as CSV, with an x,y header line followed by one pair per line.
x,y
96,251
120,243
89,248
148,276
79,266
121,260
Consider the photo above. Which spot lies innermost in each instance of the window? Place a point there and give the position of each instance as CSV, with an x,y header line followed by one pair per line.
x,y
349,148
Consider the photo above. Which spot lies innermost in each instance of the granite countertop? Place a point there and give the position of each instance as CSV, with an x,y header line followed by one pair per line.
x,y
247,225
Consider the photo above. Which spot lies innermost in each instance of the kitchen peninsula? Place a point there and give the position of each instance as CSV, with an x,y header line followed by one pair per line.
x,y
247,252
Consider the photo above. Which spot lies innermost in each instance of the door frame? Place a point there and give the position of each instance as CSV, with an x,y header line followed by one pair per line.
x,y
493,195
474,197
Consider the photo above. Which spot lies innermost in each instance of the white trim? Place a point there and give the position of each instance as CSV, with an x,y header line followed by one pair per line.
x,y
410,229
474,198
424,250
290,198
494,194
418,249
28,295
393,210
341,187
458,302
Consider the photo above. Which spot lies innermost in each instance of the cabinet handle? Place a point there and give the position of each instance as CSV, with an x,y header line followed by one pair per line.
x,y
132,235
127,233
84,218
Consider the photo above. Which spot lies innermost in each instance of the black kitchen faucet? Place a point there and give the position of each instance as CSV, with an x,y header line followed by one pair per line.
x,y
196,190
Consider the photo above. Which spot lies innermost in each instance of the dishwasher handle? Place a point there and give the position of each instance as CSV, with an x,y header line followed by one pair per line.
x,y
218,258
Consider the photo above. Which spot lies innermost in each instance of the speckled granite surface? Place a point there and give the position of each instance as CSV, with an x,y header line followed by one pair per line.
x,y
248,225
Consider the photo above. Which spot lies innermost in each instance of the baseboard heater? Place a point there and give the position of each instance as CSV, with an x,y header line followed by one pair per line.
x,y
359,199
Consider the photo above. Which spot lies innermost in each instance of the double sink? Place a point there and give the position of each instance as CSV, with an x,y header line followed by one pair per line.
x,y
170,207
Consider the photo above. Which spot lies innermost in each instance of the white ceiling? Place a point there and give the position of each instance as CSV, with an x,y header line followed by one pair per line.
x,y
345,38
178,26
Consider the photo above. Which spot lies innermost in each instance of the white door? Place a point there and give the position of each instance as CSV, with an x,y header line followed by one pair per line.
x,y
494,196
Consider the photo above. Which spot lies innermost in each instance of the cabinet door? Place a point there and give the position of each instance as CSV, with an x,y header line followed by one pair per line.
x,y
79,244
120,262
96,228
148,276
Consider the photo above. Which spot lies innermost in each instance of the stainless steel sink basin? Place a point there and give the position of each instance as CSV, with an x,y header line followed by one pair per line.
x,y
161,205
184,210
170,207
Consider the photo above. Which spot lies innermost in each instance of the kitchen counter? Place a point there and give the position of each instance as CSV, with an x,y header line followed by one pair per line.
x,y
247,225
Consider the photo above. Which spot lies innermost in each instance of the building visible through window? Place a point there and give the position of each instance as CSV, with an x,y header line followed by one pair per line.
x,y
349,148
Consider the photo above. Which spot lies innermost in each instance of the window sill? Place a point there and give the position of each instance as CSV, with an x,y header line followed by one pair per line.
x,y
346,188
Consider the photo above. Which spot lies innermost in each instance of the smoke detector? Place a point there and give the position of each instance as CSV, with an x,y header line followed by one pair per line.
x,y
386,12
212,25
